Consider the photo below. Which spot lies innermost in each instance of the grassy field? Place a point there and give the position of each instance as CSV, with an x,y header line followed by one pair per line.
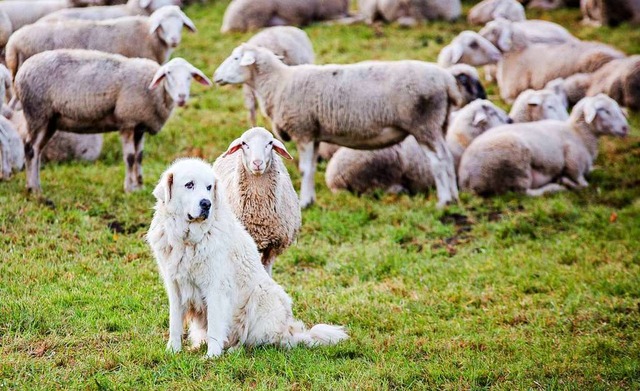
x,y
505,293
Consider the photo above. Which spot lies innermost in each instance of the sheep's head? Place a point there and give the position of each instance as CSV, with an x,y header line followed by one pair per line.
x,y
500,33
545,104
177,75
236,69
188,189
470,48
509,9
484,115
167,22
603,116
468,82
257,146
153,5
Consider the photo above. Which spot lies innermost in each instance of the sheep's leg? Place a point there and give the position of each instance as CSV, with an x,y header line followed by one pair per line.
x,y
546,189
138,139
32,151
580,182
250,103
129,156
444,174
4,158
308,160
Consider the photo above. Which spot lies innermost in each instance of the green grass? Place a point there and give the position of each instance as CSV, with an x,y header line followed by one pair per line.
x,y
505,293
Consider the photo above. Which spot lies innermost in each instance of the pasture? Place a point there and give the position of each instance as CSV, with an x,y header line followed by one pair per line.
x,y
503,293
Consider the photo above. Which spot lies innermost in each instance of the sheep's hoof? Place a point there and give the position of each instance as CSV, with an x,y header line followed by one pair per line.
x,y
307,204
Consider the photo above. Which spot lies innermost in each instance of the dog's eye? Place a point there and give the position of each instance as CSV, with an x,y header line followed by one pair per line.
x,y
189,185
209,188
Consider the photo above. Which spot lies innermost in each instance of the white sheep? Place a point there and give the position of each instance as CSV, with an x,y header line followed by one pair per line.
x,y
259,190
469,48
409,12
132,8
402,167
11,149
153,37
366,105
245,15
488,10
288,42
544,156
86,91
6,91
532,105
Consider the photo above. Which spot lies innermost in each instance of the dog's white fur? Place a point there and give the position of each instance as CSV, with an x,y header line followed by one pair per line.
x,y
212,272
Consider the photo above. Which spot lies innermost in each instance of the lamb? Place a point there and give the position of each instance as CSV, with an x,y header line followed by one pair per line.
x,y
11,150
258,189
488,10
469,48
152,37
245,15
290,43
538,105
132,8
402,167
544,156
367,105
86,91
409,12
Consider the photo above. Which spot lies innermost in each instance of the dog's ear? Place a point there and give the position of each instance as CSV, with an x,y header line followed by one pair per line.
x,y
162,192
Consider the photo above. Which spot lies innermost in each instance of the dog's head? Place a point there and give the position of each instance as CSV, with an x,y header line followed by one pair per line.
x,y
188,189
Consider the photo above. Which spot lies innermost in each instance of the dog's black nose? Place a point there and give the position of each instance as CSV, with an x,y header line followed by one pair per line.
x,y
205,204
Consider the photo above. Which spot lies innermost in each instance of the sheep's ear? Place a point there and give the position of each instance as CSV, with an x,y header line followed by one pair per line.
x,y
590,111
248,58
144,3
188,23
162,192
281,149
233,147
455,53
200,77
504,40
157,78
154,23
479,117
535,100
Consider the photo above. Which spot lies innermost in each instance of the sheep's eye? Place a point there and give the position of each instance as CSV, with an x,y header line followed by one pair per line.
x,y
245,144
189,185
209,188
473,45
269,145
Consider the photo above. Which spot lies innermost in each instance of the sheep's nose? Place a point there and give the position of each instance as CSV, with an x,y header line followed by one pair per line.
x,y
625,130
257,163
509,120
205,204
182,96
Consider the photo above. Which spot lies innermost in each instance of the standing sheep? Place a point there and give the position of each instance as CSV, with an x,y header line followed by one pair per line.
x,y
402,167
152,37
260,193
544,156
538,105
245,15
488,10
468,48
11,149
367,105
132,8
409,12
85,91
290,43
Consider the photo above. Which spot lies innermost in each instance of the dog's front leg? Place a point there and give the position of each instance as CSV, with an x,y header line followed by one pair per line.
x,y
218,323
176,313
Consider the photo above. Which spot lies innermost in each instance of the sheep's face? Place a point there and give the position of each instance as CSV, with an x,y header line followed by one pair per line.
x,y
257,146
546,105
499,32
167,22
234,70
486,115
188,190
468,82
177,75
471,48
604,116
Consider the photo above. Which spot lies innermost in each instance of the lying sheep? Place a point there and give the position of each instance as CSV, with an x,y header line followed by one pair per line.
x,y
86,91
409,12
468,48
402,167
152,37
572,88
11,150
367,105
132,8
488,10
260,193
544,156
532,105
245,15
290,43
551,4
609,12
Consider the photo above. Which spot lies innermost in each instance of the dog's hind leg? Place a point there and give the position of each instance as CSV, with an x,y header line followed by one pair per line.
x,y
197,328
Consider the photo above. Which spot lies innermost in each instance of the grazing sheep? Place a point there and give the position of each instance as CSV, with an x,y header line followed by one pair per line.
x,y
543,156
290,43
86,91
63,146
468,83
538,64
610,12
132,8
409,12
260,193
367,105
402,167
245,15
532,105
468,48
11,149
152,37
488,10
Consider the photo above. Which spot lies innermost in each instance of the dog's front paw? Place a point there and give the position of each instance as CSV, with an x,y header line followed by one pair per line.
x,y
173,347
214,350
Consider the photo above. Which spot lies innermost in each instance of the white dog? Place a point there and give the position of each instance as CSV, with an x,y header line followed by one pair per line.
x,y
212,272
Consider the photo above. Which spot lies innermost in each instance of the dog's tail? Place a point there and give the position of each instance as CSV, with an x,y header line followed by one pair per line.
x,y
320,334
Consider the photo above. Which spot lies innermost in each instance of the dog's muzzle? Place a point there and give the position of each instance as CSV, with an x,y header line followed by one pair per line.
x,y
205,208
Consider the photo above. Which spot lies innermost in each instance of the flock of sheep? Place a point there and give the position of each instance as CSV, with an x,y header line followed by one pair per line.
x,y
399,126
